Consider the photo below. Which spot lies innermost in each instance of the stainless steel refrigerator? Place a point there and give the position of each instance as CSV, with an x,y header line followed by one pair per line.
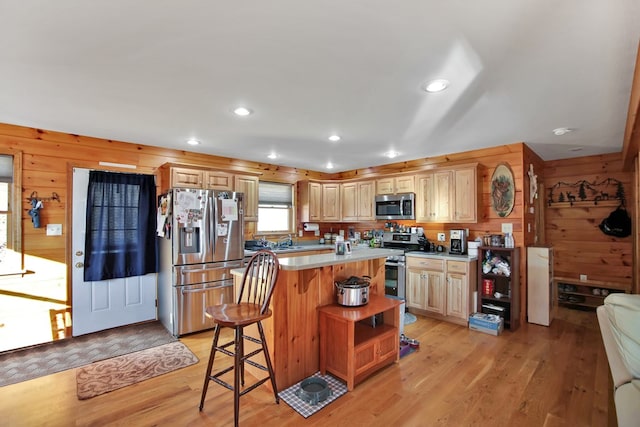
x,y
202,240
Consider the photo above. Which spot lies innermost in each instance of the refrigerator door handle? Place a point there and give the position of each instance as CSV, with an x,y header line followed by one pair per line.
x,y
212,223
200,290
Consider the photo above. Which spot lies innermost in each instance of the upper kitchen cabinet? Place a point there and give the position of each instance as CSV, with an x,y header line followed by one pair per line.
x,y
218,180
435,196
181,176
448,195
466,199
357,199
395,185
331,209
309,201
248,184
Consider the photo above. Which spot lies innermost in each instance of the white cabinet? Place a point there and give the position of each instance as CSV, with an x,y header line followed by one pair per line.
x,y
540,300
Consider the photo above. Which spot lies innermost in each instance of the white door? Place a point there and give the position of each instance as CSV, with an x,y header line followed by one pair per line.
x,y
110,303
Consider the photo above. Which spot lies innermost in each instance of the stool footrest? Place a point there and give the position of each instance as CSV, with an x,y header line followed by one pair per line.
x,y
257,365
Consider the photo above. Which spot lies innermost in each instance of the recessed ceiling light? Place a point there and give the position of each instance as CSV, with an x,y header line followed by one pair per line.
x,y
561,131
242,111
334,138
329,165
437,85
193,142
391,154
272,156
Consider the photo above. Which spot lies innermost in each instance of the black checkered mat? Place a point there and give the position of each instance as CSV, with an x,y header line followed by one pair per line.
x,y
338,388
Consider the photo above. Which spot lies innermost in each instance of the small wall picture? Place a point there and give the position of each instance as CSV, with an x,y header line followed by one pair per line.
x,y
502,190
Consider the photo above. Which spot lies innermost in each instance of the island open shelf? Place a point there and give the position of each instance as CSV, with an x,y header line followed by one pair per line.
x,y
351,348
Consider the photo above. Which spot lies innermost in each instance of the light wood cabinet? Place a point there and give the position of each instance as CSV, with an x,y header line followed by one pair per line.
x,y
218,180
181,176
357,200
448,195
309,201
351,349
441,288
465,184
425,284
461,280
395,185
331,209
248,184
185,178
435,196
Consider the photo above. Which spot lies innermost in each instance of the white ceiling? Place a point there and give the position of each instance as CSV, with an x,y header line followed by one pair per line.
x,y
160,72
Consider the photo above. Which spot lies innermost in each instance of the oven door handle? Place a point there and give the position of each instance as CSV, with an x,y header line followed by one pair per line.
x,y
395,264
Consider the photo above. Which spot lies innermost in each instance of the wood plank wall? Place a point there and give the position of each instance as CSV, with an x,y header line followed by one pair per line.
x,y
580,247
49,157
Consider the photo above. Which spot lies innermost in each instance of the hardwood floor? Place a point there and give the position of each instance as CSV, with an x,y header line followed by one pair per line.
x,y
536,376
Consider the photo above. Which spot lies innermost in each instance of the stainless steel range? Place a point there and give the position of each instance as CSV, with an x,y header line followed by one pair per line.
x,y
395,266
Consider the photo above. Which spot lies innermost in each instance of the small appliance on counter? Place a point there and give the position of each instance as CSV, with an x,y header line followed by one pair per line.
x,y
458,242
354,291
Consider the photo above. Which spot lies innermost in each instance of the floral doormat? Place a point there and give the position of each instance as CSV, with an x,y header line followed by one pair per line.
x,y
337,387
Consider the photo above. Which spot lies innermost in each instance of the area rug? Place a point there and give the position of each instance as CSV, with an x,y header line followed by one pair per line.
x,y
118,372
338,388
46,359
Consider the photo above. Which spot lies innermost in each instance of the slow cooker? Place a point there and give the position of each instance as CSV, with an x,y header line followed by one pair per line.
x,y
354,291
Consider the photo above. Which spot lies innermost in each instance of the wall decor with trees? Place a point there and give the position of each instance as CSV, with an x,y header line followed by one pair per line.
x,y
608,192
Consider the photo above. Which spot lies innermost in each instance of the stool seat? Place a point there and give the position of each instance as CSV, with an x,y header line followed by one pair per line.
x,y
232,315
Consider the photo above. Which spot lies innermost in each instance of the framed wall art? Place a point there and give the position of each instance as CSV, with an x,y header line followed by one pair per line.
x,y
503,191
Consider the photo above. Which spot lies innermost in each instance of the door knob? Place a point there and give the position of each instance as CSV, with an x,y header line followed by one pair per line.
x,y
79,265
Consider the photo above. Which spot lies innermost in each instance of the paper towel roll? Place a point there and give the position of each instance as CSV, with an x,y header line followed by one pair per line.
x,y
309,226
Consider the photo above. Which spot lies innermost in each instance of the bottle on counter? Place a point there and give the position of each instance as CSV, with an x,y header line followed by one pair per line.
x,y
509,242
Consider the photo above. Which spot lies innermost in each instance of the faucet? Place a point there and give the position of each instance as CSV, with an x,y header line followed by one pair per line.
x,y
285,241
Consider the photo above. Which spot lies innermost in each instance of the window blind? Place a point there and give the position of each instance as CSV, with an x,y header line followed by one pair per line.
x,y
275,194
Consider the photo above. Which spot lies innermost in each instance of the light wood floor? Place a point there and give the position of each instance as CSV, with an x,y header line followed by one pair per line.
x,y
536,376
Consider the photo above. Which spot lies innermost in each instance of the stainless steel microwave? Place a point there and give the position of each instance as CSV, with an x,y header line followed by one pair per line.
x,y
396,206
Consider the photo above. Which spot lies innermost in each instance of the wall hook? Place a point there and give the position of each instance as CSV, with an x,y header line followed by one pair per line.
x,y
34,196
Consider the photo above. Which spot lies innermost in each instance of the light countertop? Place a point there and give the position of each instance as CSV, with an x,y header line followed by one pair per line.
x,y
305,262
441,255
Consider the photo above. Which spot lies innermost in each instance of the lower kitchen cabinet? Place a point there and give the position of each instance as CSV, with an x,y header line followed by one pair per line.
x,y
441,288
350,347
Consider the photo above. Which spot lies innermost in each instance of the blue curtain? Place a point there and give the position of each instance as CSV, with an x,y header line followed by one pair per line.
x,y
121,224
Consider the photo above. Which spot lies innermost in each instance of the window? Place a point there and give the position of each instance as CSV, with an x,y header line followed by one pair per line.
x,y
275,207
10,209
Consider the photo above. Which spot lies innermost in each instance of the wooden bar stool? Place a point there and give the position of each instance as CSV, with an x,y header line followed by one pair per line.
x,y
258,282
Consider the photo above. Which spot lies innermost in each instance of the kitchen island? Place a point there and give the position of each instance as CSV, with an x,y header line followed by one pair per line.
x,y
304,284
